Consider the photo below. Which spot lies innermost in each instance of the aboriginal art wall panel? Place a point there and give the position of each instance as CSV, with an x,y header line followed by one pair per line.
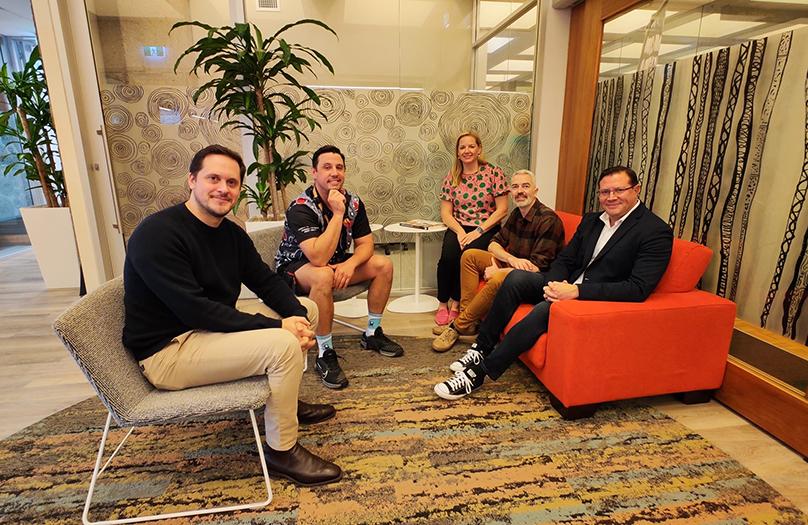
x,y
399,145
719,142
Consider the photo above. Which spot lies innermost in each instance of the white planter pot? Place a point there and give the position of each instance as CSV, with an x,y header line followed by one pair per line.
x,y
54,243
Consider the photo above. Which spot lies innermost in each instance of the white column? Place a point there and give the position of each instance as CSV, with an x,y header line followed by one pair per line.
x,y
64,41
548,97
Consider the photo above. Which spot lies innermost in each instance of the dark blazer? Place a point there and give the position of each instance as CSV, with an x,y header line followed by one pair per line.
x,y
628,268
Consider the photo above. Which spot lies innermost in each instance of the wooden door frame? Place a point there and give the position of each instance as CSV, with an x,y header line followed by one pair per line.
x,y
583,66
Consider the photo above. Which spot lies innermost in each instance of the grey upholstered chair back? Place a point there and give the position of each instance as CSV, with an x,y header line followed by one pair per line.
x,y
91,331
267,241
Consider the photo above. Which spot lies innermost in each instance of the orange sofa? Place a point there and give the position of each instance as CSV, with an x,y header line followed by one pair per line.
x,y
676,341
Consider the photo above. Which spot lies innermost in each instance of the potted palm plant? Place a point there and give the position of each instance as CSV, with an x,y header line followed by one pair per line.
x,y
32,152
256,89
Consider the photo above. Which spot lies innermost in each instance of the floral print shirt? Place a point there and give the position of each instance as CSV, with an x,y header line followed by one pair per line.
x,y
473,200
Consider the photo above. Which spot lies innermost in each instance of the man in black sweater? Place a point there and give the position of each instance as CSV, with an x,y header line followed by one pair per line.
x,y
183,273
618,255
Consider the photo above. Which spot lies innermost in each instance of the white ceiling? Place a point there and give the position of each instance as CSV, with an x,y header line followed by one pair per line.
x,y
16,18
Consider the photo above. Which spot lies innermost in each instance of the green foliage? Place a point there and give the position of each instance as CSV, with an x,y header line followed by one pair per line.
x,y
255,90
32,151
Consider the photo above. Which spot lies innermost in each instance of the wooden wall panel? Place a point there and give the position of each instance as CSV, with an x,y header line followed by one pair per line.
x,y
583,60
583,63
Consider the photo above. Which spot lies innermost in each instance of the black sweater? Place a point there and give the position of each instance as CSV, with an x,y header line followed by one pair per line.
x,y
181,274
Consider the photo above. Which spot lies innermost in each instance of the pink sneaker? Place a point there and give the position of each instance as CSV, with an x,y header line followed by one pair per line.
x,y
442,316
453,314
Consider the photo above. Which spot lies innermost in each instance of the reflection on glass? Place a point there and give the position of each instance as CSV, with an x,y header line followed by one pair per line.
x,y
505,46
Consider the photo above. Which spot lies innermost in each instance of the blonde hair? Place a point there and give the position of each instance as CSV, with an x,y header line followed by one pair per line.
x,y
457,169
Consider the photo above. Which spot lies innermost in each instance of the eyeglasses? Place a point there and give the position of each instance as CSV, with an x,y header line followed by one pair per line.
x,y
617,191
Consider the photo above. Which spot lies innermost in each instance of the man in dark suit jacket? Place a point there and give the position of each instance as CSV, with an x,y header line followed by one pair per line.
x,y
618,255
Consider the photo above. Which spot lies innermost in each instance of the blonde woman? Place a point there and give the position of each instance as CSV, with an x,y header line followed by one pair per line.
x,y
474,199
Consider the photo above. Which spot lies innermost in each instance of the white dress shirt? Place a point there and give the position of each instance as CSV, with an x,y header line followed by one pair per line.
x,y
605,234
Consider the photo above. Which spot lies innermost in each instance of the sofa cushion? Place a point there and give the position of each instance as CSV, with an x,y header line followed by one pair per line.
x,y
688,263
571,222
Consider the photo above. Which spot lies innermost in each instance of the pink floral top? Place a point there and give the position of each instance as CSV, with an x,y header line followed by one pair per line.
x,y
473,199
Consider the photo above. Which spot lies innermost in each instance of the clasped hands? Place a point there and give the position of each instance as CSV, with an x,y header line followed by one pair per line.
x,y
468,238
560,291
300,328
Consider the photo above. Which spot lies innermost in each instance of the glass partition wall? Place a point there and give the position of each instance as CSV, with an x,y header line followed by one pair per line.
x,y
399,96
708,102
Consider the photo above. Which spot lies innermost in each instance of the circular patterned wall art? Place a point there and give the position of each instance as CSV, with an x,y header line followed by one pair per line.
x,y
196,146
380,190
479,113
167,105
439,162
170,159
368,148
387,148
188,130
118,119
152,133
389,121
140,166
211,130
407,198
331,104
107,97
381,97
131,216
427,131
503,98
128,92
383,166
204,100
397,134
520,151
122,148
143,148
441,99
361,101
387,207
409,159
521,124
426,183
141,119
412,109
171,195
346,132
520,102
141,191
432,147
368,120
122,180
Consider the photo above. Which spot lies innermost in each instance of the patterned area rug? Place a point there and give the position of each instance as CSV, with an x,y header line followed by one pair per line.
x,y
501,456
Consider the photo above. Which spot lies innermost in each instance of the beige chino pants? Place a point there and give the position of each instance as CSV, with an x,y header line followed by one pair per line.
x,y
199,357
475,305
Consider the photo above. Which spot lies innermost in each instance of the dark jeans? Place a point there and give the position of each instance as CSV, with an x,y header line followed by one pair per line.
x,y
449,263
519,287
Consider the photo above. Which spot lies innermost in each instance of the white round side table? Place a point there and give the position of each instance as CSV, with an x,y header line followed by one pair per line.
x,y
417,302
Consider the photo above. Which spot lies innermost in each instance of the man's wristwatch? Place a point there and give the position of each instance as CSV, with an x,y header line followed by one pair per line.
x,y
479,229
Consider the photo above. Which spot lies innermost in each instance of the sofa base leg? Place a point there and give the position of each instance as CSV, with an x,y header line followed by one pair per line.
x,y
571,413
696,397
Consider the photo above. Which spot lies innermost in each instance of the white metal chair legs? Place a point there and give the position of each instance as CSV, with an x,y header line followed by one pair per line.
x,y
99,470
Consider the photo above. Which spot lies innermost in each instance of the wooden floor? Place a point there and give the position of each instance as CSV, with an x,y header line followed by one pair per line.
x,y
38,378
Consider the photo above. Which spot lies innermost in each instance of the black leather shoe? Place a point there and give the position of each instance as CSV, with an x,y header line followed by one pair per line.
x,y
308,413
301,466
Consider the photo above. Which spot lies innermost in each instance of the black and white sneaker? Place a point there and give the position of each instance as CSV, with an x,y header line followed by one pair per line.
x,y
381,343
471,357
330,371
462,383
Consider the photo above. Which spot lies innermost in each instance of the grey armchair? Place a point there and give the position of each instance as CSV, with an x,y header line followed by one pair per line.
x,y
267,241
91,331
